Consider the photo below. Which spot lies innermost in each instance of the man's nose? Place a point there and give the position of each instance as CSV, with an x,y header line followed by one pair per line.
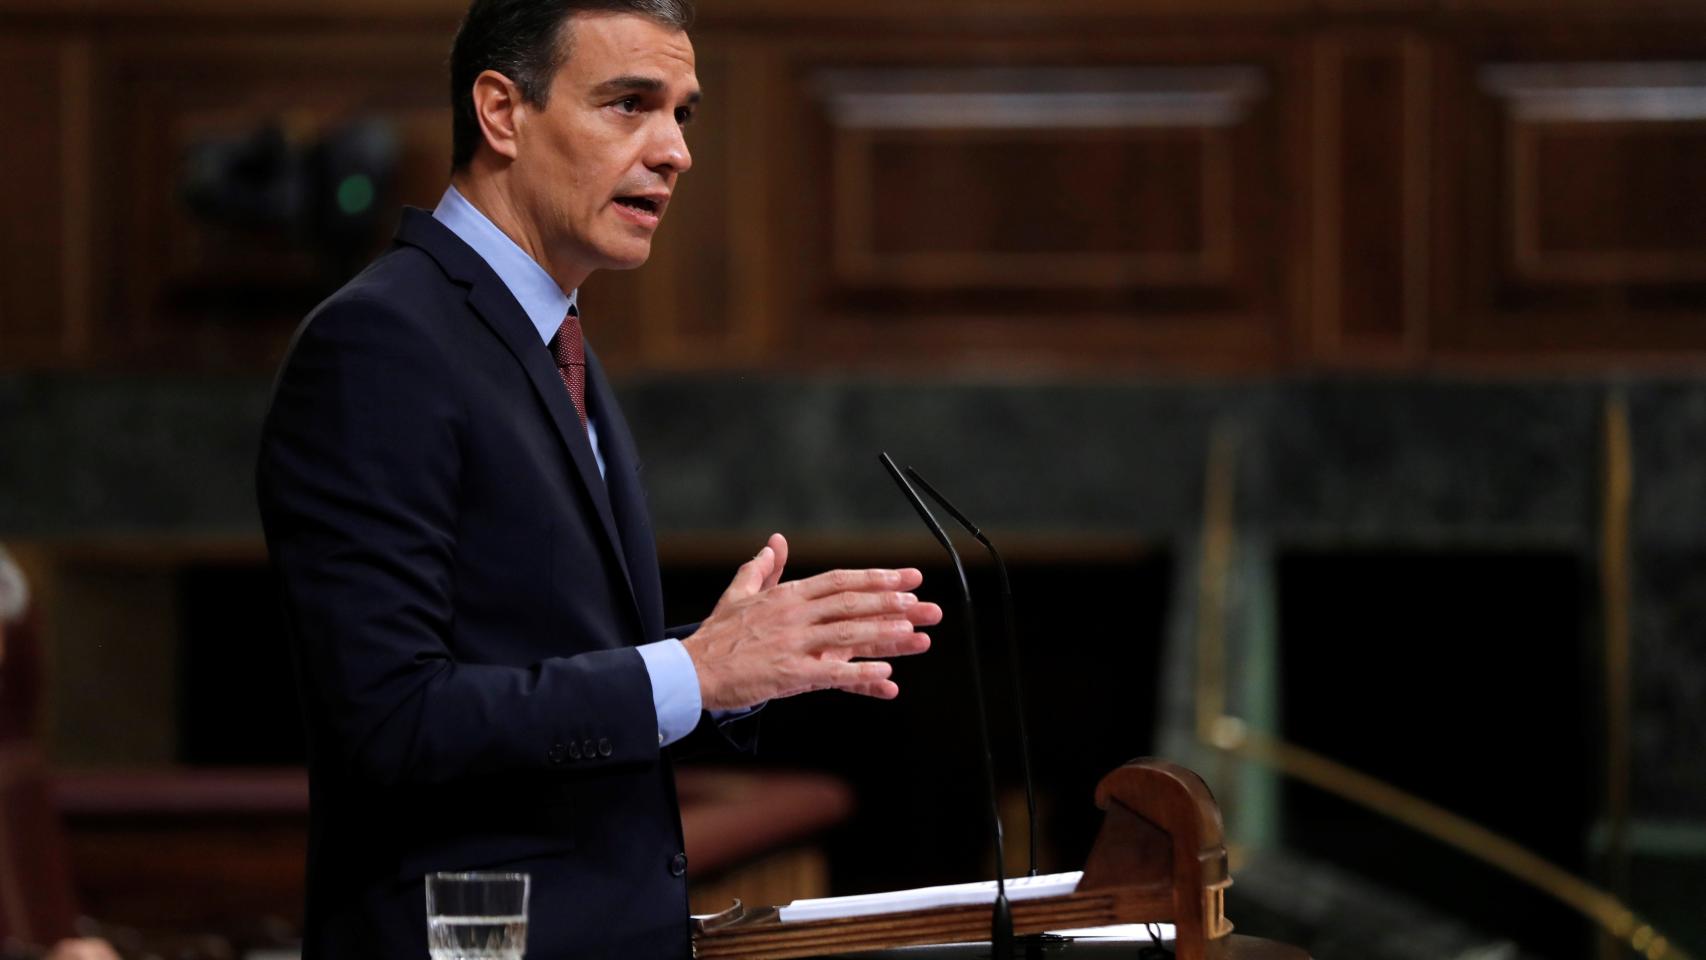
x,y
669,148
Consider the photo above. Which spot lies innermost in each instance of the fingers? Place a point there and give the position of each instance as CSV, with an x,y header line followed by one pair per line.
x,y
856,634
778,545
923,614
857,581
854,605
768,639
909,645
865,677
753,574
899,645
880,690
865,638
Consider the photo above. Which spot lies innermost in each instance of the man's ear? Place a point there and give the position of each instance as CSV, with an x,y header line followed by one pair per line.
x,y
498,106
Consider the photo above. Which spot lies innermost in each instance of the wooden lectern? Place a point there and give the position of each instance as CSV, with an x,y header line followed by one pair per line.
x,y
1159,858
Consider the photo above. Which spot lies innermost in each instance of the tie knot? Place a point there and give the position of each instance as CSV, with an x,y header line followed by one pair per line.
x,y
568,345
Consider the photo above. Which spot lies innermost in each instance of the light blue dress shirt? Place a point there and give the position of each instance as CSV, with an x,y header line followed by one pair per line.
x,y
675,682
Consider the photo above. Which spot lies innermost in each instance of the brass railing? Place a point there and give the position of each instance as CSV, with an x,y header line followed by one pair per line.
x,y
1231,737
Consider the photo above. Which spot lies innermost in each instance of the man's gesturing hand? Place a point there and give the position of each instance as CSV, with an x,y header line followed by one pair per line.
x,y
767,639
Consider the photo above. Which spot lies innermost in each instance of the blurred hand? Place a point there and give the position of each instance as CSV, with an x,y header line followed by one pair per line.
x,y
89,948
768,639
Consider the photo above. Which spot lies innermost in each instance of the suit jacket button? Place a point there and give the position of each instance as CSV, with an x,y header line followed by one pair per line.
x,y
574,750
557,752
604,747
678,865
589,749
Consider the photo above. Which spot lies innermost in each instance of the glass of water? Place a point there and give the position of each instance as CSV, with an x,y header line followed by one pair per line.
x,y
476,916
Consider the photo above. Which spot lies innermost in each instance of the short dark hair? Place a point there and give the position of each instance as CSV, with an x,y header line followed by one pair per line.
x,y
525,41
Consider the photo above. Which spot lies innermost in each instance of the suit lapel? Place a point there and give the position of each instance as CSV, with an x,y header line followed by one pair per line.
x,y
627,496
498,309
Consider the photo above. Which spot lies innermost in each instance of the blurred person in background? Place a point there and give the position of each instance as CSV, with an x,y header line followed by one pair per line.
x,y
14,605
453,508
20,660
14,596
20,666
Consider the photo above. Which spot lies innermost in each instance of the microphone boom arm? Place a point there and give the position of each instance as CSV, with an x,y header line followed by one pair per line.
x,y
1001,920
1012,651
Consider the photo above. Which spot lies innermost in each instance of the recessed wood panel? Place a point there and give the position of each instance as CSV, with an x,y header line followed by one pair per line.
x,y
1371,214
1042,178
1125,204
1611,203
33,231
1247,184
1607,168
1583,217
1079,208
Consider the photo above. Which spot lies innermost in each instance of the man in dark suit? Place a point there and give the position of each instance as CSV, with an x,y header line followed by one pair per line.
x,y
453,509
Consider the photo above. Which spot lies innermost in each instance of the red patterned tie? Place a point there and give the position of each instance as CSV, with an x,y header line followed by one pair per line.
x,y
570,350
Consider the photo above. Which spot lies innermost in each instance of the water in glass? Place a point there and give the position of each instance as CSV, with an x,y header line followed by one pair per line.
x,y
477,916
477,938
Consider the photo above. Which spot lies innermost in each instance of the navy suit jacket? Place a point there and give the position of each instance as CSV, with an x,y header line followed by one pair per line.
x,y
463,595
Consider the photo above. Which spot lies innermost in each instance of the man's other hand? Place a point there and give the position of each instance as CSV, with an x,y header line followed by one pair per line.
x,y
768,639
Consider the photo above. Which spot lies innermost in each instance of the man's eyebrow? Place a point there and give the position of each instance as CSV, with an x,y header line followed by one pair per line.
x,y
636,84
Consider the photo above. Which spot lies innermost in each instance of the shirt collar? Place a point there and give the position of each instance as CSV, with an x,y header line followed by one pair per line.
x,y
541,299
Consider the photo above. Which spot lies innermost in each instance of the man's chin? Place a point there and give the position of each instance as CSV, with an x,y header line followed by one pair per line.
x,y
628,257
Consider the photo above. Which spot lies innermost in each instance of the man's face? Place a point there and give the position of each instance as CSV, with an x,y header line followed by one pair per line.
x,y
596,166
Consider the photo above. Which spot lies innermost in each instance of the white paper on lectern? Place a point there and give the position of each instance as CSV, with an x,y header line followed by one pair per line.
x,y
927,898
1125,932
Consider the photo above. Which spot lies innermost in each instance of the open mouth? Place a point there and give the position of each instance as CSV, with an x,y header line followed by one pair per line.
x,y
641,204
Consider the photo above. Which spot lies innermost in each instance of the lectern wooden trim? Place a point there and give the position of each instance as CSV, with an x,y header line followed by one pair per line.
x,y
1160,858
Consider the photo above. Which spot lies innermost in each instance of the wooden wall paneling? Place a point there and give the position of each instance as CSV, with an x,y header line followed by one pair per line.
x,y
1456,226
709,296
184,292
674,312
762,200
698,268
1584,146
1145,173
1580,199
39,101
616,309
1552,10
1371,197
1113,203
77,212
712,12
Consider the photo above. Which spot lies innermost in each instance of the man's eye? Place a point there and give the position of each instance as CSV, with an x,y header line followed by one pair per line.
x,y
684,115
628,104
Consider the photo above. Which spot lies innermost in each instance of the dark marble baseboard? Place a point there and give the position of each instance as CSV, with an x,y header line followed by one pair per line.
x,y
1397,463
1382,461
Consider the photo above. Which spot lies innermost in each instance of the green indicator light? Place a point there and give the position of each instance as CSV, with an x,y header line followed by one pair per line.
x,y
355,194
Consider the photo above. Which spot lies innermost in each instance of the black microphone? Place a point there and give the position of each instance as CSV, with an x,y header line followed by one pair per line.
x,y
1012,650
1001,920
